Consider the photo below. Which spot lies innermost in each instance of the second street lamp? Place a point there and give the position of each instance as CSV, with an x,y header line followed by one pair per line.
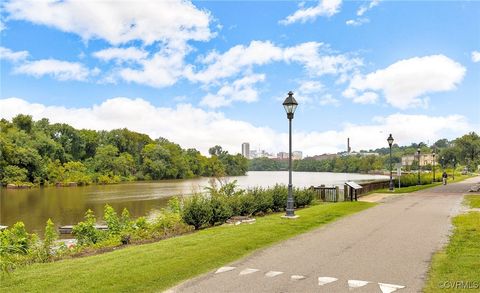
x,y
290,105
418,157
390,142
434,154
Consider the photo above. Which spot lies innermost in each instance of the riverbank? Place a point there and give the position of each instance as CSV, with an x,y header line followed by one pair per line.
x,y
160,265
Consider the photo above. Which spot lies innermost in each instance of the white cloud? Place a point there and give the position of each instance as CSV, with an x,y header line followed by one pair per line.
x,y
61,70
240,90
163,69
357,22
7,54
328,99
121,54
405,82
364,8
476,56
117,22
169,24
194,127
325,8
315,57
310,86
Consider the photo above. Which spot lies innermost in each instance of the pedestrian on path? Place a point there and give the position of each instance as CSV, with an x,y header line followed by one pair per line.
x,y
444,177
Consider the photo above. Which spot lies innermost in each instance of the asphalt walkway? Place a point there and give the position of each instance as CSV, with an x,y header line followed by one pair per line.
x,y
385,249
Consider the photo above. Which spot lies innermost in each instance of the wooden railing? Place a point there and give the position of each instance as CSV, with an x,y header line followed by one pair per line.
x,y
324,193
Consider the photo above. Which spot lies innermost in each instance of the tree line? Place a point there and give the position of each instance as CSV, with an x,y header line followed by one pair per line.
x,y
463,151
42,153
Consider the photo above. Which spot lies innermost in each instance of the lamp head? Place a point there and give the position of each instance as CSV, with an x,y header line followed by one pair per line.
x,y
290,105
390,140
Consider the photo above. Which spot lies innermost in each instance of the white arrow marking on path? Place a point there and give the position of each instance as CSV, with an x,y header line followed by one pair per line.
x,y
389,288
224,269
326,280
272,274
357,283
297,277
248,271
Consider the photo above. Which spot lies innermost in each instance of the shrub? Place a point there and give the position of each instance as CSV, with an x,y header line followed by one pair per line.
x,y
221,210
85,231
49,238
113,221
246,205
263,200
279,196
303,197
196,211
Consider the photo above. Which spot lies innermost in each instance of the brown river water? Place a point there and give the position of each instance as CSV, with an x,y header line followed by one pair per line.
x,y
67,205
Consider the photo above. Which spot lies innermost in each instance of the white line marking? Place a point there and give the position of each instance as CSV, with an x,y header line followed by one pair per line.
x,y
224,269
389,288
357,283
272,274
297,277
326,280
248,271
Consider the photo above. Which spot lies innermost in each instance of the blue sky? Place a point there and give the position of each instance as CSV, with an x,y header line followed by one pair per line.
x,y
216,72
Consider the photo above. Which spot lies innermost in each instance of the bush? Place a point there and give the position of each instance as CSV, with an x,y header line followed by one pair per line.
x,y
113,221
263,200
279,196
221,210
303,197
85,232
196,211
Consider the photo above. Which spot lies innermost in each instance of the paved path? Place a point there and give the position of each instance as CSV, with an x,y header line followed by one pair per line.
x,y
391,243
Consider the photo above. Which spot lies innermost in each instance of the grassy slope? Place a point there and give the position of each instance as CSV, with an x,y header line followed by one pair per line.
x,y
460,261
156,266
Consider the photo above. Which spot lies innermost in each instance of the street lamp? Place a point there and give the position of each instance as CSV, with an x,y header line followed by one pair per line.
x,y
453,172
418,170
443,163
434,154
390,142
290,105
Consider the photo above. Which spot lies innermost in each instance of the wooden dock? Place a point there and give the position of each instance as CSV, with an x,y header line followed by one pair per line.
x,y
68,228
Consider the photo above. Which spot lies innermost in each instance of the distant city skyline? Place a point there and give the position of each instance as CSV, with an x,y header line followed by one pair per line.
x,y
212,73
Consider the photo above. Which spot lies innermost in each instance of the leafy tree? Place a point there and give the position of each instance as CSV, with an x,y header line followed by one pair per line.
x,y
14,174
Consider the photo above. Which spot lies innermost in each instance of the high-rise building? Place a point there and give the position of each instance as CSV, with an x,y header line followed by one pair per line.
x,y
246,150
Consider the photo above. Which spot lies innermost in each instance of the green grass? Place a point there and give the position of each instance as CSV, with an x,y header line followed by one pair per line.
x,y
413,188
160,265
473,200
460,260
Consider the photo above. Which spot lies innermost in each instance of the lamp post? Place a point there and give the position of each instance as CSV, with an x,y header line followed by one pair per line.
x,y
443,163
390,142
418,171
290,105
434,154
453,172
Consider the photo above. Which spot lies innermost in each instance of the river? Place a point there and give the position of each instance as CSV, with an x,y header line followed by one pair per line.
x,y
67,205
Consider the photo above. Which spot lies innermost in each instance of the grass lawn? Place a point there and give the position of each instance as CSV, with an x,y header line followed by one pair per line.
x,y
156,266
409,189
473,200
458,265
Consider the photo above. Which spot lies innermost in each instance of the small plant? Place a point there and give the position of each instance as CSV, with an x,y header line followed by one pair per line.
x,y
49,238
196,211
85,231
113,221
